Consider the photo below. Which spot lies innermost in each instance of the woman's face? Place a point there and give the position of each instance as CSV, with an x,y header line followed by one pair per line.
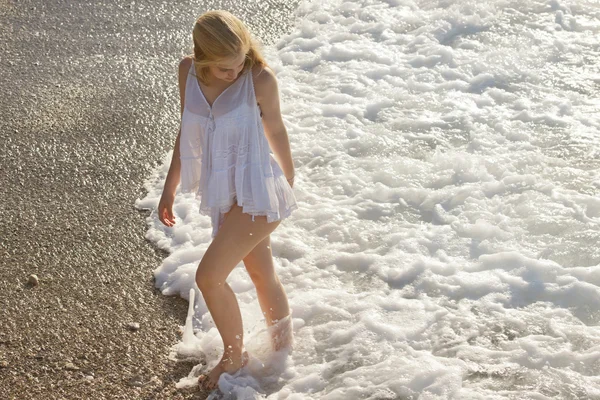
x,y
227,70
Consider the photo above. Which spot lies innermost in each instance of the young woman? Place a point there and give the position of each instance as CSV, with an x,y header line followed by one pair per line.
x,y
230,123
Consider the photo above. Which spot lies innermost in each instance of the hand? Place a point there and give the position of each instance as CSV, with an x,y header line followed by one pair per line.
x,y
165,210
291,181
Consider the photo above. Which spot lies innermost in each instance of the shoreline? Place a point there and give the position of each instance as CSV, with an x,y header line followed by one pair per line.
x,y
87,116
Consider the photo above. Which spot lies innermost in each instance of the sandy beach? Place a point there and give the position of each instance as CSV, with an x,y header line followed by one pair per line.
x,y
89,107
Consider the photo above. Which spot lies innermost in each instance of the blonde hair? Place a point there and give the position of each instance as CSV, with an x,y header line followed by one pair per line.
x,y
219,35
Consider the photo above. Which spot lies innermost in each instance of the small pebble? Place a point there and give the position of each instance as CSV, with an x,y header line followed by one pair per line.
x,y
71,367
33,280
155,381
133,326
136,381
3,364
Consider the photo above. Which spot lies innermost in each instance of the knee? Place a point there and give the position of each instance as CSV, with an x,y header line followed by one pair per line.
x,y
206,279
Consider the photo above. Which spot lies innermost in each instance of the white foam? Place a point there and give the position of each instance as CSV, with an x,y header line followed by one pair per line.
x,y
447,176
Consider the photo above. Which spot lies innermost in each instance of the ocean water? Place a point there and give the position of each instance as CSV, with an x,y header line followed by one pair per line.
x,y
446,243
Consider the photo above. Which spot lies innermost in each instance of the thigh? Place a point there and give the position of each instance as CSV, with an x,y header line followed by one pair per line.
x,y
236,237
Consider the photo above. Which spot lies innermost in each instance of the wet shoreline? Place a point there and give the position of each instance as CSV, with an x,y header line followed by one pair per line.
x,y
89,107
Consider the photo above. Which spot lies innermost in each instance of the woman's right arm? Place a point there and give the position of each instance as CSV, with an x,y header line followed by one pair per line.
x,y
165,205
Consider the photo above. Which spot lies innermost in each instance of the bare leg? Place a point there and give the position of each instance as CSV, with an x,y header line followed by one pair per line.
x,y
237,236
271,295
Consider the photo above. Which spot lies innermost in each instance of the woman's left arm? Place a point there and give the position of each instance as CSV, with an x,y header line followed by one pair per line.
x,y
267,95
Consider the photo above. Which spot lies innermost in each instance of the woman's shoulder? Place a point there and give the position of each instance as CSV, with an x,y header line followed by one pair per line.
x,y
185,63
264,80
262,74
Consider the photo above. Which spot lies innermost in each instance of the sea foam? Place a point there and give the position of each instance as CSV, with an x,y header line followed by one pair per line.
x,y
445,244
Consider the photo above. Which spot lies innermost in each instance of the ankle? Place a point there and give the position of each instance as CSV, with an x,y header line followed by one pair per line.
x,y
275,319
233,351
231,361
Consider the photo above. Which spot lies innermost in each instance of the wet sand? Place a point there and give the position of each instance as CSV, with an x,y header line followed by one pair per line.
x,y
89,106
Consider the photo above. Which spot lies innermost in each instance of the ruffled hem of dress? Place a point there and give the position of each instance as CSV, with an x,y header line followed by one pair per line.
x,y
284,199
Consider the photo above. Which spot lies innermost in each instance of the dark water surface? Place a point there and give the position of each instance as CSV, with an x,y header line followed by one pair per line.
x,y
89,105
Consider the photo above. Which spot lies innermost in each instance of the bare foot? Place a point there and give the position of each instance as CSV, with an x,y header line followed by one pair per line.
x,y
226,364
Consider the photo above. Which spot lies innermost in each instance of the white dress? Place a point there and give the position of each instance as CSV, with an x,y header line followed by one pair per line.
x,y
225,155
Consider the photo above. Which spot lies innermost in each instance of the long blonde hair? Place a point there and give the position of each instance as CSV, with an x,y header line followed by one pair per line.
x,y
219,35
